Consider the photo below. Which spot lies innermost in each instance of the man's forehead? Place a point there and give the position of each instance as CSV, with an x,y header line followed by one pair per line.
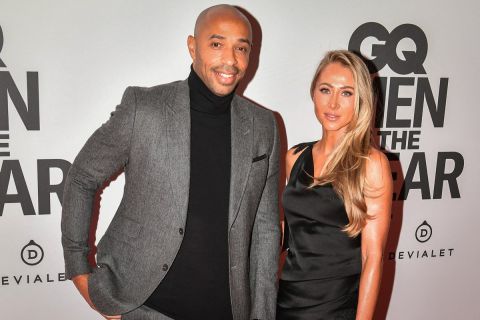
x,y
222,29
221,18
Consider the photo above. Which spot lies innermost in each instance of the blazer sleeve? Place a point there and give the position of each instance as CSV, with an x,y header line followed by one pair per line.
x,y
265,245
105,153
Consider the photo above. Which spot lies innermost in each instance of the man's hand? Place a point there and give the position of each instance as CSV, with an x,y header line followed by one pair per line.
x,y
81,282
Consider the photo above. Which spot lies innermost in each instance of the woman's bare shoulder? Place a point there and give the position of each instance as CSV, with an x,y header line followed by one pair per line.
x,y
378,173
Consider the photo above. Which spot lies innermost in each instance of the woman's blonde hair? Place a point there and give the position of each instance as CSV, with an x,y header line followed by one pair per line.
x,y
345,166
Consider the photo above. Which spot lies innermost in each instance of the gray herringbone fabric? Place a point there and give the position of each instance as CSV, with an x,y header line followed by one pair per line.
x,y
148,136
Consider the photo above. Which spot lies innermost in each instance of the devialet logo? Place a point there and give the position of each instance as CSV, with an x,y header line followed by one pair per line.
x,y
31,254
423,234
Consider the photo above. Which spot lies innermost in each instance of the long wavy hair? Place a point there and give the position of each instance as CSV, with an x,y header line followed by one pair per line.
x,y
345,166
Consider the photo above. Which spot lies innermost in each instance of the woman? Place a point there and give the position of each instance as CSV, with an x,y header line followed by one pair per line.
x,y
337,202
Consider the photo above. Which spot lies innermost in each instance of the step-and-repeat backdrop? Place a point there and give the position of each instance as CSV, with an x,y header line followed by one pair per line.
x,y
64,66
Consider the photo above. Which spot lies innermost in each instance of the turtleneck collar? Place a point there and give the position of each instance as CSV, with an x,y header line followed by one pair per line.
x,y
204,100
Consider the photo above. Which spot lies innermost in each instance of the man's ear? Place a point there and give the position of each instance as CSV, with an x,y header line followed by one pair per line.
x,y
191,43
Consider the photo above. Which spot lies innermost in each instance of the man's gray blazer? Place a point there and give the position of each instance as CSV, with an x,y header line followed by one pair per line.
x,y
148,136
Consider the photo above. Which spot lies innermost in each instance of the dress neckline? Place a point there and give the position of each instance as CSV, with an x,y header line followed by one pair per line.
x,y
311,165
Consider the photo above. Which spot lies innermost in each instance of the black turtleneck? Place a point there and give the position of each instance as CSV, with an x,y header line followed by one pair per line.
x,y
197,284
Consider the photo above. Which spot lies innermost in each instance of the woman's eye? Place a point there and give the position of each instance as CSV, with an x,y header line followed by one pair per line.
x,y
347,93
324,90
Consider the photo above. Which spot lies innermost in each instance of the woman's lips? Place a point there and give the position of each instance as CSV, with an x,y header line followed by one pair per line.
x,y
331,116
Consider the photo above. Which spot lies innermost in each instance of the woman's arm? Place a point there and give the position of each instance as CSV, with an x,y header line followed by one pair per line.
x,y
378,197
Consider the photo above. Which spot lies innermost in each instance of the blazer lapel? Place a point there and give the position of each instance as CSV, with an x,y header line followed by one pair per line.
x,y
242,141
178,147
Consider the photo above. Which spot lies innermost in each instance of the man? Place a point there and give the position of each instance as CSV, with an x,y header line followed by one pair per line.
x,y
196,235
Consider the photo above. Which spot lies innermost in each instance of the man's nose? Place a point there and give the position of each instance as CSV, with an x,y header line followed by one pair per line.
x,y
229,57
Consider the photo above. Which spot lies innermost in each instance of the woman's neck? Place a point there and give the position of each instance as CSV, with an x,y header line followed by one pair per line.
x,y
329,141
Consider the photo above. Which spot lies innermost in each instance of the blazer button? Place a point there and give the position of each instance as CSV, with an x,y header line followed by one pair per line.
x,y
180,230
165,267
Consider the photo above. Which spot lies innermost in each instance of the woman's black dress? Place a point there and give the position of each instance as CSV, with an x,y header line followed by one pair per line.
x,y
321,274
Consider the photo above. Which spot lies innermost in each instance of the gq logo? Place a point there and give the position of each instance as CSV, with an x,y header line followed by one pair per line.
x,y
424,232
385,52
32,253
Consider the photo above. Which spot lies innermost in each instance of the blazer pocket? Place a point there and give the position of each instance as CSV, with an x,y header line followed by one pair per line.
x,y
124,229
263,156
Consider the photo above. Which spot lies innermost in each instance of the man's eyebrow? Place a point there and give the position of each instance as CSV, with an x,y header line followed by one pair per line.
x,y
216,36
245,41
220,37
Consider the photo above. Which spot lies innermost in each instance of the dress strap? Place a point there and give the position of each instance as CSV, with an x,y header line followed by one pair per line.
x,y
297,167
299,163
301,146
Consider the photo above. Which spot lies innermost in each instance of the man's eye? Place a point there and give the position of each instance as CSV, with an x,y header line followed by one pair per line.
x,y
243,49
216,44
